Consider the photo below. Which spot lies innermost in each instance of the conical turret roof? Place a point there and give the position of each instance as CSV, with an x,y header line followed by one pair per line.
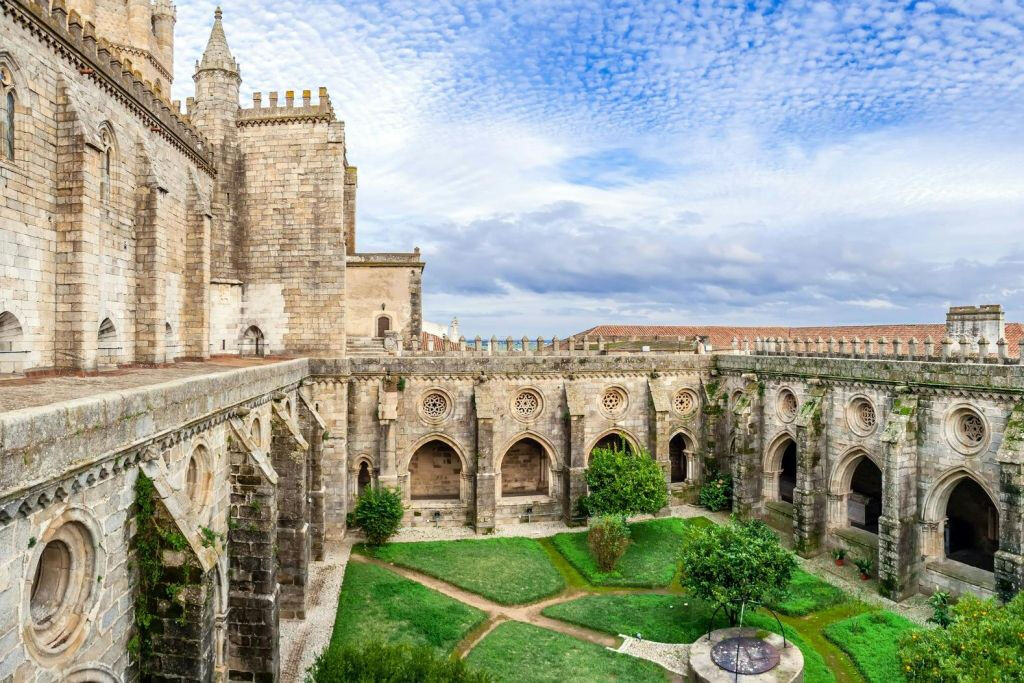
x,y
218,54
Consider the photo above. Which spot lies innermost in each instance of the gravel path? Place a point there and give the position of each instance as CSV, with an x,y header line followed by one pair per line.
x,y
303,640
672,656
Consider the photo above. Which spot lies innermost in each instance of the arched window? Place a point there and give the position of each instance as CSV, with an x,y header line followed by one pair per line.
x,y
364,478
613,442
10,332
787,477
8,109
972,526
107,165
435,472
252,342
865,503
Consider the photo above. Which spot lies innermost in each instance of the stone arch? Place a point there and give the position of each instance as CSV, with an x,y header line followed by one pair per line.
x,y
199,477
256,430
682,456
382,324
779,468
531,466
857,476
252,342
610,437
110,155
91,673
948,514
12,338
108,342
16,98
364,477
448,476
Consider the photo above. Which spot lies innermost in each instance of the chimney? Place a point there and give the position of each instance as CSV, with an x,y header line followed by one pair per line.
x,y
975,322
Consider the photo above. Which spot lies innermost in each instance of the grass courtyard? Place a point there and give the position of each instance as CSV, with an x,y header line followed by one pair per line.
x,y
546,613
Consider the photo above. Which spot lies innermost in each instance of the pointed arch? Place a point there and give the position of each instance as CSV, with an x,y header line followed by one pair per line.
x,y
855,491
682,456
437,469
526,466
967,532
778,468
632,443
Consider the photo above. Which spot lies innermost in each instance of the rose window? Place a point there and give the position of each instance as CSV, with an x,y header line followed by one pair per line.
x,y
613,401
971,429
684,402
526,405
866,415
435,405
787,405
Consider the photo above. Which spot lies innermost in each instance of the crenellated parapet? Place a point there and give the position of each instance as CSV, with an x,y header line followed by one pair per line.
x,y
75,41
290,111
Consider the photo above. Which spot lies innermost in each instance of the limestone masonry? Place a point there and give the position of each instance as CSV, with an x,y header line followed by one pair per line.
x,y
181,298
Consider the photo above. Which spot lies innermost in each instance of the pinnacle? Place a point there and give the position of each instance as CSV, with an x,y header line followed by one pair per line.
x,y
218,54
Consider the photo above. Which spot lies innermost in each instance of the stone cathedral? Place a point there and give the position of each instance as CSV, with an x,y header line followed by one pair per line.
x,y
199,373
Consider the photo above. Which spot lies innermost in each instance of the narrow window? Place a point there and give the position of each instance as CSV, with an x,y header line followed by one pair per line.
x,y
9,126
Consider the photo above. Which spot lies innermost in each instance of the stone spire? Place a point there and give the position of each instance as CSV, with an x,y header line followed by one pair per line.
x,y
218,54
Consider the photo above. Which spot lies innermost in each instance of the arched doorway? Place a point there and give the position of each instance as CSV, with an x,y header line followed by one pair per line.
x,y
865,501
253,343
10,344
363,479
678,448
613,441
525,470
435,472
787,472
107,343
972,526
383,325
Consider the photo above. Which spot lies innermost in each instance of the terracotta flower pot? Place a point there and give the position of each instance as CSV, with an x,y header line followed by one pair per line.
x,y
839,562
864,577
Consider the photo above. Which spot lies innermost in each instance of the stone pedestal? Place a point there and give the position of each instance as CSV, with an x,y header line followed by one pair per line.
x,y
703,669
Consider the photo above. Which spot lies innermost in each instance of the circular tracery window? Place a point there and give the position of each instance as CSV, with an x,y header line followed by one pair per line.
x,y
966,430
435,406
685,401
62,587
862,417
787,405
613,401
527,404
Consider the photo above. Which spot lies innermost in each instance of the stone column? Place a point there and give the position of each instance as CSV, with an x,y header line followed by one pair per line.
x,y
486,478
1009,565
253,613
746,463
576,486
387,415
151,266
289,456
809,494
898,549
313,429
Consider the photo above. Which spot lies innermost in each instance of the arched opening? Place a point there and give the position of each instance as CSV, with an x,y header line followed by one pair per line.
x,y
62,587
787,473
256,432
107,343
677,450
613,442
972,526
865,503
199,479
435,472
363,479
106,167
10,333
383,325
8,111
253,343
525,470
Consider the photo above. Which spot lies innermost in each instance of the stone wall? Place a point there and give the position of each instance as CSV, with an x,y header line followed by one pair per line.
x,y
383,285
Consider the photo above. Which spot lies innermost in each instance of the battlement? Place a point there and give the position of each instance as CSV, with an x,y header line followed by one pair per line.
x,y
289,111
95,58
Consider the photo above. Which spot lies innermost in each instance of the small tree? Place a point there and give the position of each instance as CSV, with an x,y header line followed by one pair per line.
x,y
716,492
608,539
379,514
622,483
737,564
981,643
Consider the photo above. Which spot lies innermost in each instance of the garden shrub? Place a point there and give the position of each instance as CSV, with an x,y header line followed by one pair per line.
x,y
608,539
377,662
716,492
735,564
982,642
379,514
872,642
622,483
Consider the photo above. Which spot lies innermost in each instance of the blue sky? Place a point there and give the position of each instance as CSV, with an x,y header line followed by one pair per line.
x,y
563,164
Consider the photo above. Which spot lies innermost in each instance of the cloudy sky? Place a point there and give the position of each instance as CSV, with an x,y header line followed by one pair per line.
x,y
563,163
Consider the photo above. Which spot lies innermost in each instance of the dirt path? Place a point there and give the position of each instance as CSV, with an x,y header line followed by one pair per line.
x,y
497,613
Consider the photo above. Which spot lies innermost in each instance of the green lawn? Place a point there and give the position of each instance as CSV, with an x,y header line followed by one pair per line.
x,y
672,619
379,606
872,641
510,571
807,594
520,652
650,562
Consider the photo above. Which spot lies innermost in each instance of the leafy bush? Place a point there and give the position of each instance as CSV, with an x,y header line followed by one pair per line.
x,y
716,492
872,641
608,539
622,483
379,514
374,662
982,643
941,613
736,564
864,565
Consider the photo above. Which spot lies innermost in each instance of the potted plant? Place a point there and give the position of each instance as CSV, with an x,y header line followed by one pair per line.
x,y
839,554
864,565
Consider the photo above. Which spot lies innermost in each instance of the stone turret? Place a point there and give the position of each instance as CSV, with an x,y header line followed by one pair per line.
x,y
215,112
164,18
